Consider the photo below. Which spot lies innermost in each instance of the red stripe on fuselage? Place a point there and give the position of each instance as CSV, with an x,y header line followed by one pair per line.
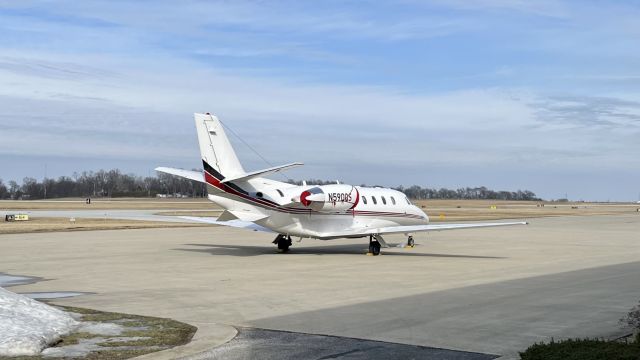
x,y
211,180
357,199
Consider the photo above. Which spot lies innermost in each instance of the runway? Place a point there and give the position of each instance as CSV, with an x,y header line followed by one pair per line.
x,y
490,291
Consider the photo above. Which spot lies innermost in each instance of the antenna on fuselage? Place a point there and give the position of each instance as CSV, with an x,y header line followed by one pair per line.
x,y
250,147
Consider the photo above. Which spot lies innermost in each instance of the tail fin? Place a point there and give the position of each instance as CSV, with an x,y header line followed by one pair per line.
x,y
215,148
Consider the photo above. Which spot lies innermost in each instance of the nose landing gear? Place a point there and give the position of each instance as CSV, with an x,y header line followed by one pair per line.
x,y
283,242
410,242
374,246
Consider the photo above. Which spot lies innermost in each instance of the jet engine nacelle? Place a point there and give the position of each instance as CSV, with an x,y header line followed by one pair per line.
x,y
330,198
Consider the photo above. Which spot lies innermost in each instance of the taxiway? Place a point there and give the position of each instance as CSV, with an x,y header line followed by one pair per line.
x,y
492,291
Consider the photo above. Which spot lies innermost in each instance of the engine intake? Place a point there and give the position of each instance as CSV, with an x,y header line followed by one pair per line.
x,y
330,198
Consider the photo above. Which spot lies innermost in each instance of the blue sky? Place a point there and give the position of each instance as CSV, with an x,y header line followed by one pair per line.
x,y
509,94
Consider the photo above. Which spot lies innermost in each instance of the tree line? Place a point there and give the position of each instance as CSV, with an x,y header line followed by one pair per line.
x,y
102,183
113,183
417,192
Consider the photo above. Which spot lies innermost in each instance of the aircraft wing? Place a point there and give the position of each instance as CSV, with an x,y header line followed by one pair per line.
x,y
232,223
416,228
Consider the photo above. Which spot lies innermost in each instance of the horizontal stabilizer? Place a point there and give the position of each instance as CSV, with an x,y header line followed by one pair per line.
x,y
258,173
187,174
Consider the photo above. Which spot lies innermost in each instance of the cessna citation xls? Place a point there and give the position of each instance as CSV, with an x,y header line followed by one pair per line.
x,y
325,212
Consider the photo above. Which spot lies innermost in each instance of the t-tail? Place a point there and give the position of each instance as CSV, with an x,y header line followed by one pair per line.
x,y
221,166
218,157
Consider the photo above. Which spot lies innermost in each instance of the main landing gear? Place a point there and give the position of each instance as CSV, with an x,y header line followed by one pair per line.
x,y
410,242
374,246
283,242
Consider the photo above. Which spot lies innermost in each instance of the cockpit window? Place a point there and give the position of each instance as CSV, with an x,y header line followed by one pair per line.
x,y
364,200
373,198
393,201
280,192
408,202
384,201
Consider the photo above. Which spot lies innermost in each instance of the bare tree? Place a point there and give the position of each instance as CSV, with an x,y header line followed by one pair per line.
x,y
4,192
632,319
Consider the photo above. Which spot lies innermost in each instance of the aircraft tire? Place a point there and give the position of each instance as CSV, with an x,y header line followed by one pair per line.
x,y
374,248
284,243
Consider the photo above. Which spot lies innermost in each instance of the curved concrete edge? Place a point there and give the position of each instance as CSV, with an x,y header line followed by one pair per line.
x,y
208,335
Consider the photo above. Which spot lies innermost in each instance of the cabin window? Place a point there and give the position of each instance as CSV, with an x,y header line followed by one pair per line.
x,y
384,201
280,192
373,198
364,200
393,201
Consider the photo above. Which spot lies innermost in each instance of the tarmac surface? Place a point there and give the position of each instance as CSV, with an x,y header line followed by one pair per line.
x,y
486,291
277,345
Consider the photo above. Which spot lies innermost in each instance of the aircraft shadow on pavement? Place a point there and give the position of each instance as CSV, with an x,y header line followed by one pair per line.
x,y
347,249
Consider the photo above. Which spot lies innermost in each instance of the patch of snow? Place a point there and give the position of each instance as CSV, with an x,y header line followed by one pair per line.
x,y
125,339
98,328
53,295
74,315
28,326
137,328
85,346
13,280
81,349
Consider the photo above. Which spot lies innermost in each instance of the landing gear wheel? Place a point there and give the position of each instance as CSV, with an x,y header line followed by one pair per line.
x,y
283,243
411,242
374,247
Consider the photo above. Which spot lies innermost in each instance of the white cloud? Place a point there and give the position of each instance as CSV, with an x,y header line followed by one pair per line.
x,y
115,80
133,113
203,18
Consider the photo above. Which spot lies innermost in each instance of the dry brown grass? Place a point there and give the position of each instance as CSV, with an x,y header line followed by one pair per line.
x,y
107,204
463,210
48,224
154,334
438,210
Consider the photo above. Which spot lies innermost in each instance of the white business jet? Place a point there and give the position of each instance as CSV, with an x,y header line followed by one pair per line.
x,y
325,212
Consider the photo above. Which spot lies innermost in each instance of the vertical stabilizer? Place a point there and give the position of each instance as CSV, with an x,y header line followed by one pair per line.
x,y
215,148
